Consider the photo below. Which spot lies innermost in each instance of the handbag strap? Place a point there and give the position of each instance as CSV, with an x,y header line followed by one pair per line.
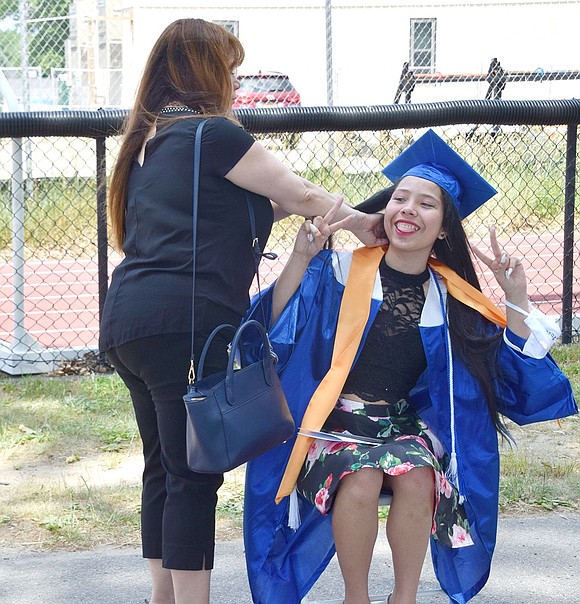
x,y
196,164
256,249
258,255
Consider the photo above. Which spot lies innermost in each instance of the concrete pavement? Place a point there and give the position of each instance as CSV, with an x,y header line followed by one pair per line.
x,y
537,561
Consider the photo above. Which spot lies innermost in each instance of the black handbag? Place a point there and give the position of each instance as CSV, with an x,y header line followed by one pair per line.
x,y
239,413
236,414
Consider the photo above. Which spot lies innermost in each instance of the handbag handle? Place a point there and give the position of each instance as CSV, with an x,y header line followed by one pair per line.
x,y
211,336
237,343
196,164
267,358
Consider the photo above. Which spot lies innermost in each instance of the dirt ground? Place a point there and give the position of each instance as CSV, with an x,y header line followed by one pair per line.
x,y
551,442
91,471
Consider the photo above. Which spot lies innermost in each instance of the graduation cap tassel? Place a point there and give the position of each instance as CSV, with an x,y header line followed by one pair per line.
x,y
293,511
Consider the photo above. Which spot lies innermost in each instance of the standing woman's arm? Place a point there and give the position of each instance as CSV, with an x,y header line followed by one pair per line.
x,y
261,172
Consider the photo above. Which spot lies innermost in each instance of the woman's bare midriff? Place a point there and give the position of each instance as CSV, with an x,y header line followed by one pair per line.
x,y
356,399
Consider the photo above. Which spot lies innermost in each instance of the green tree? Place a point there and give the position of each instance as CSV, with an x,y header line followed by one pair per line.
x,y
46,33
9,48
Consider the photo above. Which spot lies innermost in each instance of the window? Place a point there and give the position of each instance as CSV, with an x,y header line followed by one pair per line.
x,y
232,26
422,59
115,55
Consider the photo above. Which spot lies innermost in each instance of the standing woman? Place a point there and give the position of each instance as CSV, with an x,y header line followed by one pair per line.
x,y
146,322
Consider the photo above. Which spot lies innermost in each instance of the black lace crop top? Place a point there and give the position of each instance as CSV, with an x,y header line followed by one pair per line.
x,y
392,357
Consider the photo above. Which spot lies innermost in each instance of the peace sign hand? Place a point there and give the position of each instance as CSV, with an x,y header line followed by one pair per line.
x,y
508,271
313,234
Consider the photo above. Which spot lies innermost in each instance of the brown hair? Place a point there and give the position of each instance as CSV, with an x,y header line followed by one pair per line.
x,y
190,64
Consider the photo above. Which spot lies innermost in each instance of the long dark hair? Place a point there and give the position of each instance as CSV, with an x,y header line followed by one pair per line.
x,y
190,64
474,338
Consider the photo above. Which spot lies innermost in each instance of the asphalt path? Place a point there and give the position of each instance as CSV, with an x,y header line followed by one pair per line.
x,y
537,561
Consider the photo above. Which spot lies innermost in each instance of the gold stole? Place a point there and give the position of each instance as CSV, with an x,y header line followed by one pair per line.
x,y
352,319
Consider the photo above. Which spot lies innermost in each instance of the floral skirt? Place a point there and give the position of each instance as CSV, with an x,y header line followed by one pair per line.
x,y
406,443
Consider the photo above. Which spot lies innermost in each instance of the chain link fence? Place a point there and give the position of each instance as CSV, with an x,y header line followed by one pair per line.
x,y
62,54
55,258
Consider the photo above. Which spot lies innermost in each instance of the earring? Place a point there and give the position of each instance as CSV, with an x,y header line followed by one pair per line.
x,y
446,239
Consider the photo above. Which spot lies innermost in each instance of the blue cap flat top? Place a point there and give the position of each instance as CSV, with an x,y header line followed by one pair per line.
x,y
431,158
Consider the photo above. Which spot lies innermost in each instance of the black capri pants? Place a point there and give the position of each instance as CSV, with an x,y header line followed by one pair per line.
x,y
177,505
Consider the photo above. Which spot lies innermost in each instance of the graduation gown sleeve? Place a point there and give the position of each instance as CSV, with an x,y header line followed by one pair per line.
x,y
283,564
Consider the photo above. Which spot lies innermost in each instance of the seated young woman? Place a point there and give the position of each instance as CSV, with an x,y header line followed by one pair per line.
x,y
398,371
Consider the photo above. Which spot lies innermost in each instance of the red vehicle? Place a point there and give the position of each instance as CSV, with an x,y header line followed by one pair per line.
x,y
266,90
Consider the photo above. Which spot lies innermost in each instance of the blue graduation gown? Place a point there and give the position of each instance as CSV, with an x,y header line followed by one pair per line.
x,y
283,564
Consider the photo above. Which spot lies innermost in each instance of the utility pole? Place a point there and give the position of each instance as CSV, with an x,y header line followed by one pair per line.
x,y
23,18
329,76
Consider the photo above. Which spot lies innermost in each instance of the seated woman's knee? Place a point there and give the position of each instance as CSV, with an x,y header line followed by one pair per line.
x,y
418,481
362,485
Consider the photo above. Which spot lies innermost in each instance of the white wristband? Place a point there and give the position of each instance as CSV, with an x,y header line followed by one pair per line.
x,y
517,308
544,331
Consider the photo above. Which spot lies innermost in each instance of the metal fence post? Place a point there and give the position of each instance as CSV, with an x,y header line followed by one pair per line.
x,y
102,239
568,243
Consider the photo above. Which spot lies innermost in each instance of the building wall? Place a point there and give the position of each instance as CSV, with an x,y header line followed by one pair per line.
x,y
523,38
370,41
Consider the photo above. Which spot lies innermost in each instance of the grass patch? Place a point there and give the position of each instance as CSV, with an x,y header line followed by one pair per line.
x,y
543,472
60,217
56,416
53,516
568,358
230,507
51,427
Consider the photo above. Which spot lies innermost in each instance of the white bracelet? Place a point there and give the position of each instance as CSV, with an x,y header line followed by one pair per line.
x,y
517,308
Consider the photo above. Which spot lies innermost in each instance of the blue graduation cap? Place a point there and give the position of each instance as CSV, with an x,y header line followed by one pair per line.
x,y
431,158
